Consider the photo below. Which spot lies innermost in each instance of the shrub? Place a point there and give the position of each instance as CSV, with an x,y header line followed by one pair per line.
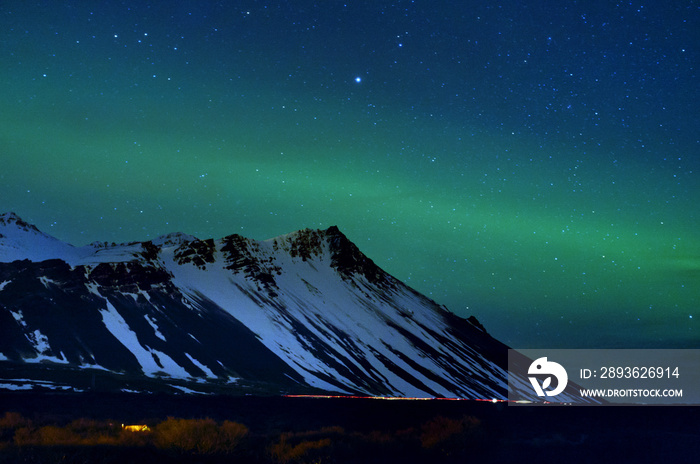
x,y
92,432
49,435
387,438
283,452
13,420
23,436
308,444
201,436
230,435
185,435
10,422
52,435
443,431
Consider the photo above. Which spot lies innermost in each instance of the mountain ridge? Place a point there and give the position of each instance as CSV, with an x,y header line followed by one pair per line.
x,y
302,312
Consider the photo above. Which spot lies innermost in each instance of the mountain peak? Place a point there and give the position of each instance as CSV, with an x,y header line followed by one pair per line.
x,y
345,256
348,259
8,215
175,238
22,240
11,218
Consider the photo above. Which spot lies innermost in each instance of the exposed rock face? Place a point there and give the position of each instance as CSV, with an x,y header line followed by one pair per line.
x,y
128,277
9,219
198,252
349,260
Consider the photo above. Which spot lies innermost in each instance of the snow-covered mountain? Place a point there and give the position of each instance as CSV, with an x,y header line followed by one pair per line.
x,y
300,313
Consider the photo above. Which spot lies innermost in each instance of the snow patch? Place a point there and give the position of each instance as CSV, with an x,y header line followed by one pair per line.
x,y
19,317
2,284
41,358
94,289
93,366
118,327
204,368
187,390
39,340
46,281
29,384
12,386
170,367
152,323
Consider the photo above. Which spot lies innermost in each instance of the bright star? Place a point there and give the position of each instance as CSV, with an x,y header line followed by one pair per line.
x,y
358,79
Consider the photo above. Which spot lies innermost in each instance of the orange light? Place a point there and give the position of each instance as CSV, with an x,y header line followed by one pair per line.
x,y
136,428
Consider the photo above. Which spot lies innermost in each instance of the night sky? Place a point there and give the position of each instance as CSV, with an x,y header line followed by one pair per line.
x,y
534,164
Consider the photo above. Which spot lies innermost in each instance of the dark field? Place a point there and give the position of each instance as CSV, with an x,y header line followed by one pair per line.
x,y
73,428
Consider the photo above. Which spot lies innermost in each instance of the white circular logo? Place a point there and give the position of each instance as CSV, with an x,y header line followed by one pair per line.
x,y
541,367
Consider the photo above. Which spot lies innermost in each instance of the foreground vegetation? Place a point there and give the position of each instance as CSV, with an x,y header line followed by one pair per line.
x,y
440,439
40,427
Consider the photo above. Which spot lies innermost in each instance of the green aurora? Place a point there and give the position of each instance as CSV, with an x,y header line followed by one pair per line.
x,y
575,228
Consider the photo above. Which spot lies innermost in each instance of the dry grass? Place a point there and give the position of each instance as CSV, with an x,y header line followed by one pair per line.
x,y
174,439
197,436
